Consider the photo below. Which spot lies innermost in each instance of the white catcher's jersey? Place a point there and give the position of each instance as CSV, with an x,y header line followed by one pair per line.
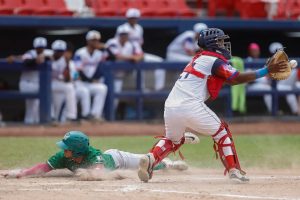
x,y
136,33
128,49
33,75
87,62
190,89
183,42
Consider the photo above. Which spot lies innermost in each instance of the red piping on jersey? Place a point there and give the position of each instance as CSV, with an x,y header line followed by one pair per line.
x,y
214,84
214,54
190,68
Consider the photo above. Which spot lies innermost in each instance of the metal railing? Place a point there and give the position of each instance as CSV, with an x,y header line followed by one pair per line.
x,y
44,93
107,69
139,95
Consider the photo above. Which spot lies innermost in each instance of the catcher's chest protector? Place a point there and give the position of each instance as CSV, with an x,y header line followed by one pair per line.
x,y
214,83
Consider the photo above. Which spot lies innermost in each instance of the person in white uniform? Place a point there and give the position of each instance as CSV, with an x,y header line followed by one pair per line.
x,y
29,81
297,86
261,84
185,106
136,31
83,96
287,85
124,50
136,34
184,46
87,60
63,89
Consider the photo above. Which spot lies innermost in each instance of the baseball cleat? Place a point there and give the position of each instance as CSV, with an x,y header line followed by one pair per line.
x,y
179,165
146,167
175,165
236,176
191,138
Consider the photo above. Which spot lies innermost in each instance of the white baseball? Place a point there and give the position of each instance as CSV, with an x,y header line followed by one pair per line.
x,y
293,63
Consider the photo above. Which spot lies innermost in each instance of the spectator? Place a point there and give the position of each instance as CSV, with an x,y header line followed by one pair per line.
x,y
298,87
87,61
253,52
287,85
62,85
82,93
184,46
136,34
261,84
29,81
238,93
124,50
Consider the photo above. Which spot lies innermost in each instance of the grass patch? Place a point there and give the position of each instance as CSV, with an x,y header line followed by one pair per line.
x,y
272,151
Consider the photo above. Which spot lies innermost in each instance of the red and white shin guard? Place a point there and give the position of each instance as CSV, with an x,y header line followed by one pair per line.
x,y
163,148
224,146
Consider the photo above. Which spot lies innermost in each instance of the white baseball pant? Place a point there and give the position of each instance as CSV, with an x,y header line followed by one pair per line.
x,y
83,96
291,99
98,91
125,160
297,85
195,116
159,74
32,115
68,90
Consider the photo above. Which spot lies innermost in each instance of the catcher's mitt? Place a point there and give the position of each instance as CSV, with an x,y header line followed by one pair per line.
x,y
280,55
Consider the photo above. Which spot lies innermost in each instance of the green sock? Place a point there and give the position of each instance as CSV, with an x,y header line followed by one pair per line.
x,y
160,166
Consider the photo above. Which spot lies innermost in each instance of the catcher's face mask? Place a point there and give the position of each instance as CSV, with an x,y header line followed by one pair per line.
x,y
224,43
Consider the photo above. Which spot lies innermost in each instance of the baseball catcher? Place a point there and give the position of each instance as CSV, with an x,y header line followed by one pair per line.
x,y
185,107
77,154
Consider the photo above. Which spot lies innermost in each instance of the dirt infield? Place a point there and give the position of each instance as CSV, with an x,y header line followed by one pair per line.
x,y
191,184
128,129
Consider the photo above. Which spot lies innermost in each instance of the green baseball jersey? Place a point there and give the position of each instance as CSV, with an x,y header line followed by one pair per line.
x,y
94,156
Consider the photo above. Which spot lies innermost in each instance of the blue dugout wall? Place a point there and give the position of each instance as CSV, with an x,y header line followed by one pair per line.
x,y
108,69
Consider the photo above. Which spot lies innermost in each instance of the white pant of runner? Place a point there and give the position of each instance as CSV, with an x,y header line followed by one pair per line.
x,y
125,160
32,115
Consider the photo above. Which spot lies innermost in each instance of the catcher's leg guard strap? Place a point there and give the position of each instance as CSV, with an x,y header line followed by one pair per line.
x,y
163,148
224,146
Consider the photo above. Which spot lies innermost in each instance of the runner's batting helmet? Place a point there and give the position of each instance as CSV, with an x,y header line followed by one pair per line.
x,y
75,141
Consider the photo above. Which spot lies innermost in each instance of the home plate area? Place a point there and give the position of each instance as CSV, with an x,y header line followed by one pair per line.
x,y
192,184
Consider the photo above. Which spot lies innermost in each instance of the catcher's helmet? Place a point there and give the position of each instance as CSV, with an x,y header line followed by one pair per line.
x,y
213,39
75,141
